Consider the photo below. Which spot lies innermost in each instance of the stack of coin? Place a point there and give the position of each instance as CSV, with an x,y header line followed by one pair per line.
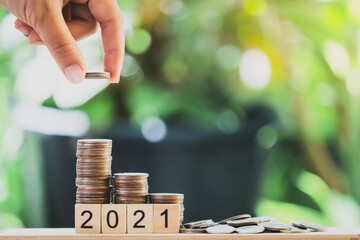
x,y
93,170
169,198
131,188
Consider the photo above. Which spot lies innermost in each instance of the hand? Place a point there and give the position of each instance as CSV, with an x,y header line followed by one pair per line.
x,y
59,23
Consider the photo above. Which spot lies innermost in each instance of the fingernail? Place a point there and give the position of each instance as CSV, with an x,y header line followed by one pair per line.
x,y
35,43
24,30
74,73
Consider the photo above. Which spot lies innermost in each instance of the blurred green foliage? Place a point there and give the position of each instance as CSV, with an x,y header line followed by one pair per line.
x,y
182,64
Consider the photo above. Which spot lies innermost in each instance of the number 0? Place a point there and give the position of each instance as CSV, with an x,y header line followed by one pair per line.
x,y
116,219
166,217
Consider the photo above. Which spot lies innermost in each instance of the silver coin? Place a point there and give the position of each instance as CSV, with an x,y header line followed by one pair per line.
x,y
250,229
313,226
295,230
220,229
275,226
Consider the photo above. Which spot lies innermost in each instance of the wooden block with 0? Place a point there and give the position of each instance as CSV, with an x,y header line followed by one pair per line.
x,y
166,218
140,218
113,218
88,218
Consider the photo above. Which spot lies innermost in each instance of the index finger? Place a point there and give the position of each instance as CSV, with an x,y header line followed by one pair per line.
x,y
109,16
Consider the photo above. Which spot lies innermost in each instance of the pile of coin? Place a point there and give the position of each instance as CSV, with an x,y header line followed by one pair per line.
x,y
245,224
131,188
93,171
169,198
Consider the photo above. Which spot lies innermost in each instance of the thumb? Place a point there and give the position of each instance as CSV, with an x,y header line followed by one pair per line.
x,y
55,34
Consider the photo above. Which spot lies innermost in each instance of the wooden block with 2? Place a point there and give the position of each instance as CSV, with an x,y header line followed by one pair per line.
x,y
127,218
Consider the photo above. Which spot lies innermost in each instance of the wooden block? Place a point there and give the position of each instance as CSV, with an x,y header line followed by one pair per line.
x,y
166,218
88,218
140,218
113,218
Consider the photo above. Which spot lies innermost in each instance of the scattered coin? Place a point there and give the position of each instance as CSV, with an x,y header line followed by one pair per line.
x,y
275,226
295,230
97,75
250,229
244,222
297,224
192,230
314,226
200,224
265,219
220,229
235,218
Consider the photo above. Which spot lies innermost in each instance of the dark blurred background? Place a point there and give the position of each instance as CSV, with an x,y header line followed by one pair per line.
x,y
245,106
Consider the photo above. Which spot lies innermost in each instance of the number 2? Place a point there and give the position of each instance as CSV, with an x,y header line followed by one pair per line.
x,y
141,218
166,217
87,220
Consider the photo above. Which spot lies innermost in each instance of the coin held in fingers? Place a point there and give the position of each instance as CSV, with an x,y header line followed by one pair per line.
x,y
97,75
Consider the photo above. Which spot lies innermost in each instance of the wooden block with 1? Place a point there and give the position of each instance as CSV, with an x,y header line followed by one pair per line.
x,y
166,218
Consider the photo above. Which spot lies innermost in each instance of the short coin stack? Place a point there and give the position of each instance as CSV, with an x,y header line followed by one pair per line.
x,y
93,170
169,198
131,188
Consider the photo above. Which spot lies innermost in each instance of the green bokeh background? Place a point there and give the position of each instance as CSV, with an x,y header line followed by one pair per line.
x,y
184,56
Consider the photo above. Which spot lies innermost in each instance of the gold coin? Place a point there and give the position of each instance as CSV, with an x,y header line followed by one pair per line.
x,y
93,201
242,216
250,229
94,146
313,226
201,223
97,75
130,201
295,230
94,159
130,175
95,141
192,230
122,197
244,222
275,226
95,188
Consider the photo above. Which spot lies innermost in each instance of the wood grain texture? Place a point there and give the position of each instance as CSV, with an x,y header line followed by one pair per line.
x,y
338,233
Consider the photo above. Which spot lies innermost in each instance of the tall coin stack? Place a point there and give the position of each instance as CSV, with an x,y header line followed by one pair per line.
x,y
93,170
169,198
131,188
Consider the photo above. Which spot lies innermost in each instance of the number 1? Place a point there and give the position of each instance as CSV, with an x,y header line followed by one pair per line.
x,y
166,217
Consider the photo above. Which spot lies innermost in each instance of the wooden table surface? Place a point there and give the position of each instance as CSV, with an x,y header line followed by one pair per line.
x,y
343,233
